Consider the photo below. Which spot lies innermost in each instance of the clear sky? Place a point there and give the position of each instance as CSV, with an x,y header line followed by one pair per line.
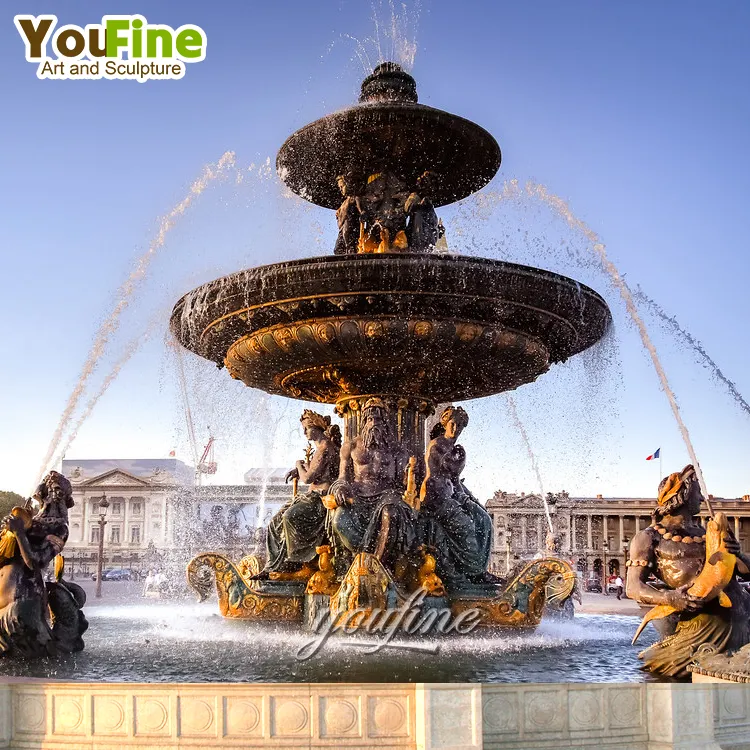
x,y
636,113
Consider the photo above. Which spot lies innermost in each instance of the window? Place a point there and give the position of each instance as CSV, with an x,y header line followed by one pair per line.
x,y
115,535
136,507
116,507
94,535
135,535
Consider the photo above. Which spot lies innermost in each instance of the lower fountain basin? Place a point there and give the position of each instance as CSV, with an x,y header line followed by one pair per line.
x,y
442,328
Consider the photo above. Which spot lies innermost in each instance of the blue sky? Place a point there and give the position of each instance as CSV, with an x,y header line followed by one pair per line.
x,y
636,113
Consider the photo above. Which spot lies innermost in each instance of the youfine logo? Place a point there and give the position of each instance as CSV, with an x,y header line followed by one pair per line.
x,y
119,48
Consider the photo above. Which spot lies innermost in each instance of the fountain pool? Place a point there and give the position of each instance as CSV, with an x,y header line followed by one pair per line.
x,y
187,642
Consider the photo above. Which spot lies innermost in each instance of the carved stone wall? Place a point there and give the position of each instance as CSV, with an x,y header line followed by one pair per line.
x,y
564,716
91,716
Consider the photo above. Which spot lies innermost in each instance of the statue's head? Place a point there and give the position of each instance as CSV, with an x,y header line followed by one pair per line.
x,y
55,489
553,543
439,488
679,492
314,424
426,183
453,420
376,431
346,184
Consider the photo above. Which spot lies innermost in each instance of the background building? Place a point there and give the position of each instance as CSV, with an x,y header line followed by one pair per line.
x,y
157,516
584,524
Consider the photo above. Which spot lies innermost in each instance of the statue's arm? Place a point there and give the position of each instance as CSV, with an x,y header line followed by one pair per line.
x,y
430,469
641,564
36,559
313,471
341,488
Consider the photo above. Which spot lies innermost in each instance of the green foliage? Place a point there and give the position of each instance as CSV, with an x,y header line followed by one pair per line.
x,y
8,500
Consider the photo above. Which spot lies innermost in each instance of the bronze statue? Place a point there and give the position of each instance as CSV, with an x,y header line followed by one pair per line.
x,y
452,520
383,214
347,217
423,230
368,512
299,528
702,604
38,619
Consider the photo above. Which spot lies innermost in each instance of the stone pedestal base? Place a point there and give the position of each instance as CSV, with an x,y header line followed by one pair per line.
x,y
64,716
681,717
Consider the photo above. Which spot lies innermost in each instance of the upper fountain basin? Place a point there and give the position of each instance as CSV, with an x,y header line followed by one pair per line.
x,y
441,328
388,131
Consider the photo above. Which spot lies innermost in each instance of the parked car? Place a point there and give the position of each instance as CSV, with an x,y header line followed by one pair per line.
x,y
119,574
593,585
114,574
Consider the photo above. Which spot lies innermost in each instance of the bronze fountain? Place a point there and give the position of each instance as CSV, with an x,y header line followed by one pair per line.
x,y
386,328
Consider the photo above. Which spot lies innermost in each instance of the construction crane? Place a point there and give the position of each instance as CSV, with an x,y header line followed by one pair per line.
x,y
207,463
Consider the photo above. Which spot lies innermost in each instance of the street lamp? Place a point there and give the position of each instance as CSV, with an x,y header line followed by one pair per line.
x,y
508,536
605,549
103,505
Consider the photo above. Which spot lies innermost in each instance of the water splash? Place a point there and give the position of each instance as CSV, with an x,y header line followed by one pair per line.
x,y
175,347
675,327
512,408
130,350
124,295
394,37
563,209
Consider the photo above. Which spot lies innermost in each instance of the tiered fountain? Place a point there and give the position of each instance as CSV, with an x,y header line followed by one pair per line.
x,y
392,319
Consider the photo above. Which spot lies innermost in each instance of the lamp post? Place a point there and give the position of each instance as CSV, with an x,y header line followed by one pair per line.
x,y
605,549
103,505
625,544
508,536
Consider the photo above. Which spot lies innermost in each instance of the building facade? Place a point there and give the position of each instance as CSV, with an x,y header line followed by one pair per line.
x,y
158,517
594,533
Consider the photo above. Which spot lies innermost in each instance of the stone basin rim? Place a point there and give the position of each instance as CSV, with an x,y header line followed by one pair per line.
x,y
400,258
481,169
270,284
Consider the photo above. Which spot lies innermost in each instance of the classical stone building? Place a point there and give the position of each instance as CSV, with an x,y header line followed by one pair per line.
x,y
594,531
158,516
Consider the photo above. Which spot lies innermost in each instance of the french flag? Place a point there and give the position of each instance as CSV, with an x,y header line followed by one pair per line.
x,y
654,455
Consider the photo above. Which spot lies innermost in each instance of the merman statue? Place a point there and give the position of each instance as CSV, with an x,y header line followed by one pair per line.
x,y
38,619
702,604
368,512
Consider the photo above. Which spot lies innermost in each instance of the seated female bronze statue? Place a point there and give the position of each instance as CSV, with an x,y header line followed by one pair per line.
x,y
451,520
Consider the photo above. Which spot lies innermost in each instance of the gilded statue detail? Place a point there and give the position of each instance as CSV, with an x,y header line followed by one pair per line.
x,y
299,528
38,619
702,603
452,521
368,512
385,215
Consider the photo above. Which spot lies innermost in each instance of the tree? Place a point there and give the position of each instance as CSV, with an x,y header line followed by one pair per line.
x,y
8,500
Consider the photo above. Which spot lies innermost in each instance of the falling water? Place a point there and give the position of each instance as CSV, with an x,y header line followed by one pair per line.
x,y
396,38
532,457
129,351
182,382
561,206
124,295
672,323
